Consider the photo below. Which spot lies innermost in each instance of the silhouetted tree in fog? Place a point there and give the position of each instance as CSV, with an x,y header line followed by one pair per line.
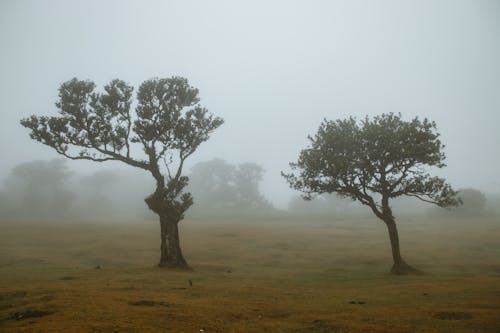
x,y
39,188
474,201
373,162
223,188
168,125
247,178
213,183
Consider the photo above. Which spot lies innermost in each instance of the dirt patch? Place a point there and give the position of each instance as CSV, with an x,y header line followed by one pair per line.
x,y
319,326
5,306
5,298
149,303
65,278
28,314
277,315
357,302
451,315
11,295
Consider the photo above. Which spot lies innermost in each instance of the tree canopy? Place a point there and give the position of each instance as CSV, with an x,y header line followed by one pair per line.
x,y
384,156
102,127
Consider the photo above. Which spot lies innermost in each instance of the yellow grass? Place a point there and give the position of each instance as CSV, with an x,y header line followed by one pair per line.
x,y
251,276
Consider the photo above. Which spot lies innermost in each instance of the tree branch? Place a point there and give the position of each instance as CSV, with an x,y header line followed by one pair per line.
x,y
423,199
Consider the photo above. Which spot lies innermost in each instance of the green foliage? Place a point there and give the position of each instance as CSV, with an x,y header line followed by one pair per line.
x,y
168,125
384,156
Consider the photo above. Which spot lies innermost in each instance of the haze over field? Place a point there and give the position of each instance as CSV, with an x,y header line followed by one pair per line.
x,y
272,69
200,113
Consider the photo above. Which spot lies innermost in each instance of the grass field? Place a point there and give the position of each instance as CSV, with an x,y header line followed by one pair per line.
x,y
250,276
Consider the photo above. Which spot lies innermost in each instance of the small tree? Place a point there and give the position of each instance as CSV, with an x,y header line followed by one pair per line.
x,y
168,124
373,162
474,201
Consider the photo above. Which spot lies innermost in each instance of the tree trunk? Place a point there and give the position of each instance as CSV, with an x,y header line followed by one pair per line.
x,y
171,253
399,267
170,249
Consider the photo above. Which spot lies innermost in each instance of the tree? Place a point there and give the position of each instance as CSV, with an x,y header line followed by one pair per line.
x,y
247,178
474,201
213,183
224,188
40,188
373,162
168,124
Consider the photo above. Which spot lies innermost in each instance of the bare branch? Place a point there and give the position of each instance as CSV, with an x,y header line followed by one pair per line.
x,y
86,157
423,199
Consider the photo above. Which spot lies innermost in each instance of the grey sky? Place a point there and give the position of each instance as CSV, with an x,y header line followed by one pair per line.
x,y
272,69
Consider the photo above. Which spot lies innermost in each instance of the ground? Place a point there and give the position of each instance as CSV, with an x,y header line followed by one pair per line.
x,y
275,275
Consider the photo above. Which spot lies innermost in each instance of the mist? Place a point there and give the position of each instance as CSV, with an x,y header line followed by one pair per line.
x,y
333,164
48,189
273,71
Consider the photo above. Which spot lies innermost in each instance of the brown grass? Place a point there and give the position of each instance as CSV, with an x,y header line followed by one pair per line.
x,y
251,276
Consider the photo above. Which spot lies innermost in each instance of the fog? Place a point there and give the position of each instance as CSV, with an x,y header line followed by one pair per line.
x,y
272,70
52,189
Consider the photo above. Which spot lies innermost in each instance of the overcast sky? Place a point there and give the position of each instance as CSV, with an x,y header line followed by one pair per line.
x,y
272,69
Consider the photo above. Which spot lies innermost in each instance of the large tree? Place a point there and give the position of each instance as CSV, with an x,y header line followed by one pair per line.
x,y
374,161
168,125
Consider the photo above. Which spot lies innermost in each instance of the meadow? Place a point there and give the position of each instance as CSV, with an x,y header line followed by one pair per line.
x,y
250,275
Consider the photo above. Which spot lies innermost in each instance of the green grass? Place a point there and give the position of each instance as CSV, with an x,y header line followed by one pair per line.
x,y
251,276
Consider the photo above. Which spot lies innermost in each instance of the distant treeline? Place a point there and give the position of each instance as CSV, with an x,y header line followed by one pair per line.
x,y
45,189
475,203
49,189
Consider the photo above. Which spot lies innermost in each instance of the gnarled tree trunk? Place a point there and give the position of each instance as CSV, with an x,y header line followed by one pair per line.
x,y
171,253
170,249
